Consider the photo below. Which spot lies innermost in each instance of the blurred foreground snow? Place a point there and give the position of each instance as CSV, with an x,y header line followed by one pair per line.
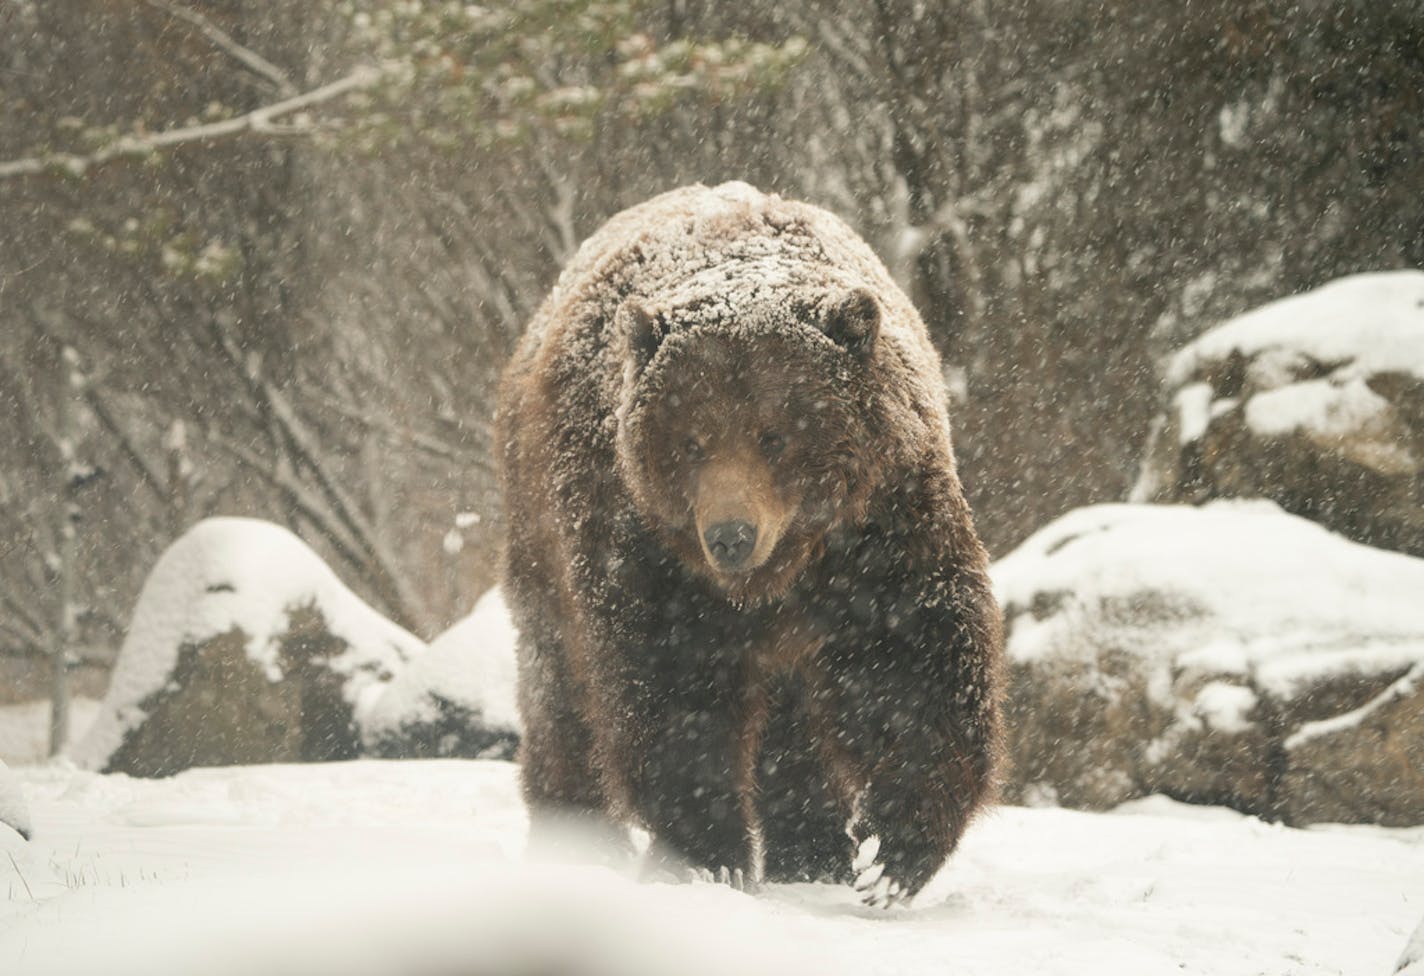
x,y
414,868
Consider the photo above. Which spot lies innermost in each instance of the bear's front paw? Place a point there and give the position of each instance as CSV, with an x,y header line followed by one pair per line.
x,y
891,866
876,888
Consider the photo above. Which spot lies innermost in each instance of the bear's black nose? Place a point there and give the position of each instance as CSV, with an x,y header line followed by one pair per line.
x,y
730,543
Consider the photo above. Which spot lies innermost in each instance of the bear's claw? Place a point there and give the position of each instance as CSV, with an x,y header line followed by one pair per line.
x,y
734,878
876,890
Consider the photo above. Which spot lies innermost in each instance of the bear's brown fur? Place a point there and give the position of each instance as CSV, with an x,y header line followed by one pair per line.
x,y
752,605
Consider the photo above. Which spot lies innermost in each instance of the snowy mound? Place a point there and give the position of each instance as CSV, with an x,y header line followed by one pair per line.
x,y
14,812
1231,654
1315,401
458,698
242,636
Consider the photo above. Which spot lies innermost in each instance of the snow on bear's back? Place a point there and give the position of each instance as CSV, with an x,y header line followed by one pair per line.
x,y
730,257
710,252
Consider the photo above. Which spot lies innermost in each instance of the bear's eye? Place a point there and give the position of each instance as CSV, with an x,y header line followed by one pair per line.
x,y
772,444
692,449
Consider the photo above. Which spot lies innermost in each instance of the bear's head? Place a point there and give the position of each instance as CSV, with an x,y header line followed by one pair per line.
x,y
744,441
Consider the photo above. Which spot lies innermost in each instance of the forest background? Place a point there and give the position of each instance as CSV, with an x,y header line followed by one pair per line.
x,y
268,258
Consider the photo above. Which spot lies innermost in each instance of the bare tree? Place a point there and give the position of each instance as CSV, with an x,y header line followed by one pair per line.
x,y
228,259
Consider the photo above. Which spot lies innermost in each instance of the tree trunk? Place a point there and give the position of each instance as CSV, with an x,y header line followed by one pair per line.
x,y
70,388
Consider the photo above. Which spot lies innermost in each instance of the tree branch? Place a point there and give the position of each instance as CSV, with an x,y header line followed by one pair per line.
x,y
127,447
560,234
257,122
33,633
404,602
947,218
401,434
494,285
299,494
249,58
93,657
364,547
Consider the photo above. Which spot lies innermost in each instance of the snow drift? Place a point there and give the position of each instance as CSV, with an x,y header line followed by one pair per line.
x,y
244,647
1315,401
1232,654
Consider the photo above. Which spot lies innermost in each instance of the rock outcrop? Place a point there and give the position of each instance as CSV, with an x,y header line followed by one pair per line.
x,y
1315,402
1230,654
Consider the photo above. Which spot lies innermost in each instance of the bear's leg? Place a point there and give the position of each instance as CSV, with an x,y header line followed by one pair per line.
x,y
914,702
803,819
688,787
568,812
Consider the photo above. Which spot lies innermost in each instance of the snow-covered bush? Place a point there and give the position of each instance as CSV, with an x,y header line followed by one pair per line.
x,y
1230,654
1315,401
244,647
456,699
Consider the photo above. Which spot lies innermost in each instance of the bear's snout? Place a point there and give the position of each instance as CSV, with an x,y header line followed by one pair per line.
x,y
738,514
730,543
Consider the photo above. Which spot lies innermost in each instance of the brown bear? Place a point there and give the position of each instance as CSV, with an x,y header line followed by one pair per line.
x,y
754,614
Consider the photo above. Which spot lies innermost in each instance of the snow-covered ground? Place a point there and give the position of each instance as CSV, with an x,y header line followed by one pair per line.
x,y
415,868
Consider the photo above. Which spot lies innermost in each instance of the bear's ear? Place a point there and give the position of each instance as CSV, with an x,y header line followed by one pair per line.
x,y
641,330
853,321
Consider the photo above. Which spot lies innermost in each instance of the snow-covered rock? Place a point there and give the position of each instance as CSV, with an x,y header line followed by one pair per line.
x,y
458,698
14,812
1231,654
244,648
1315,401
